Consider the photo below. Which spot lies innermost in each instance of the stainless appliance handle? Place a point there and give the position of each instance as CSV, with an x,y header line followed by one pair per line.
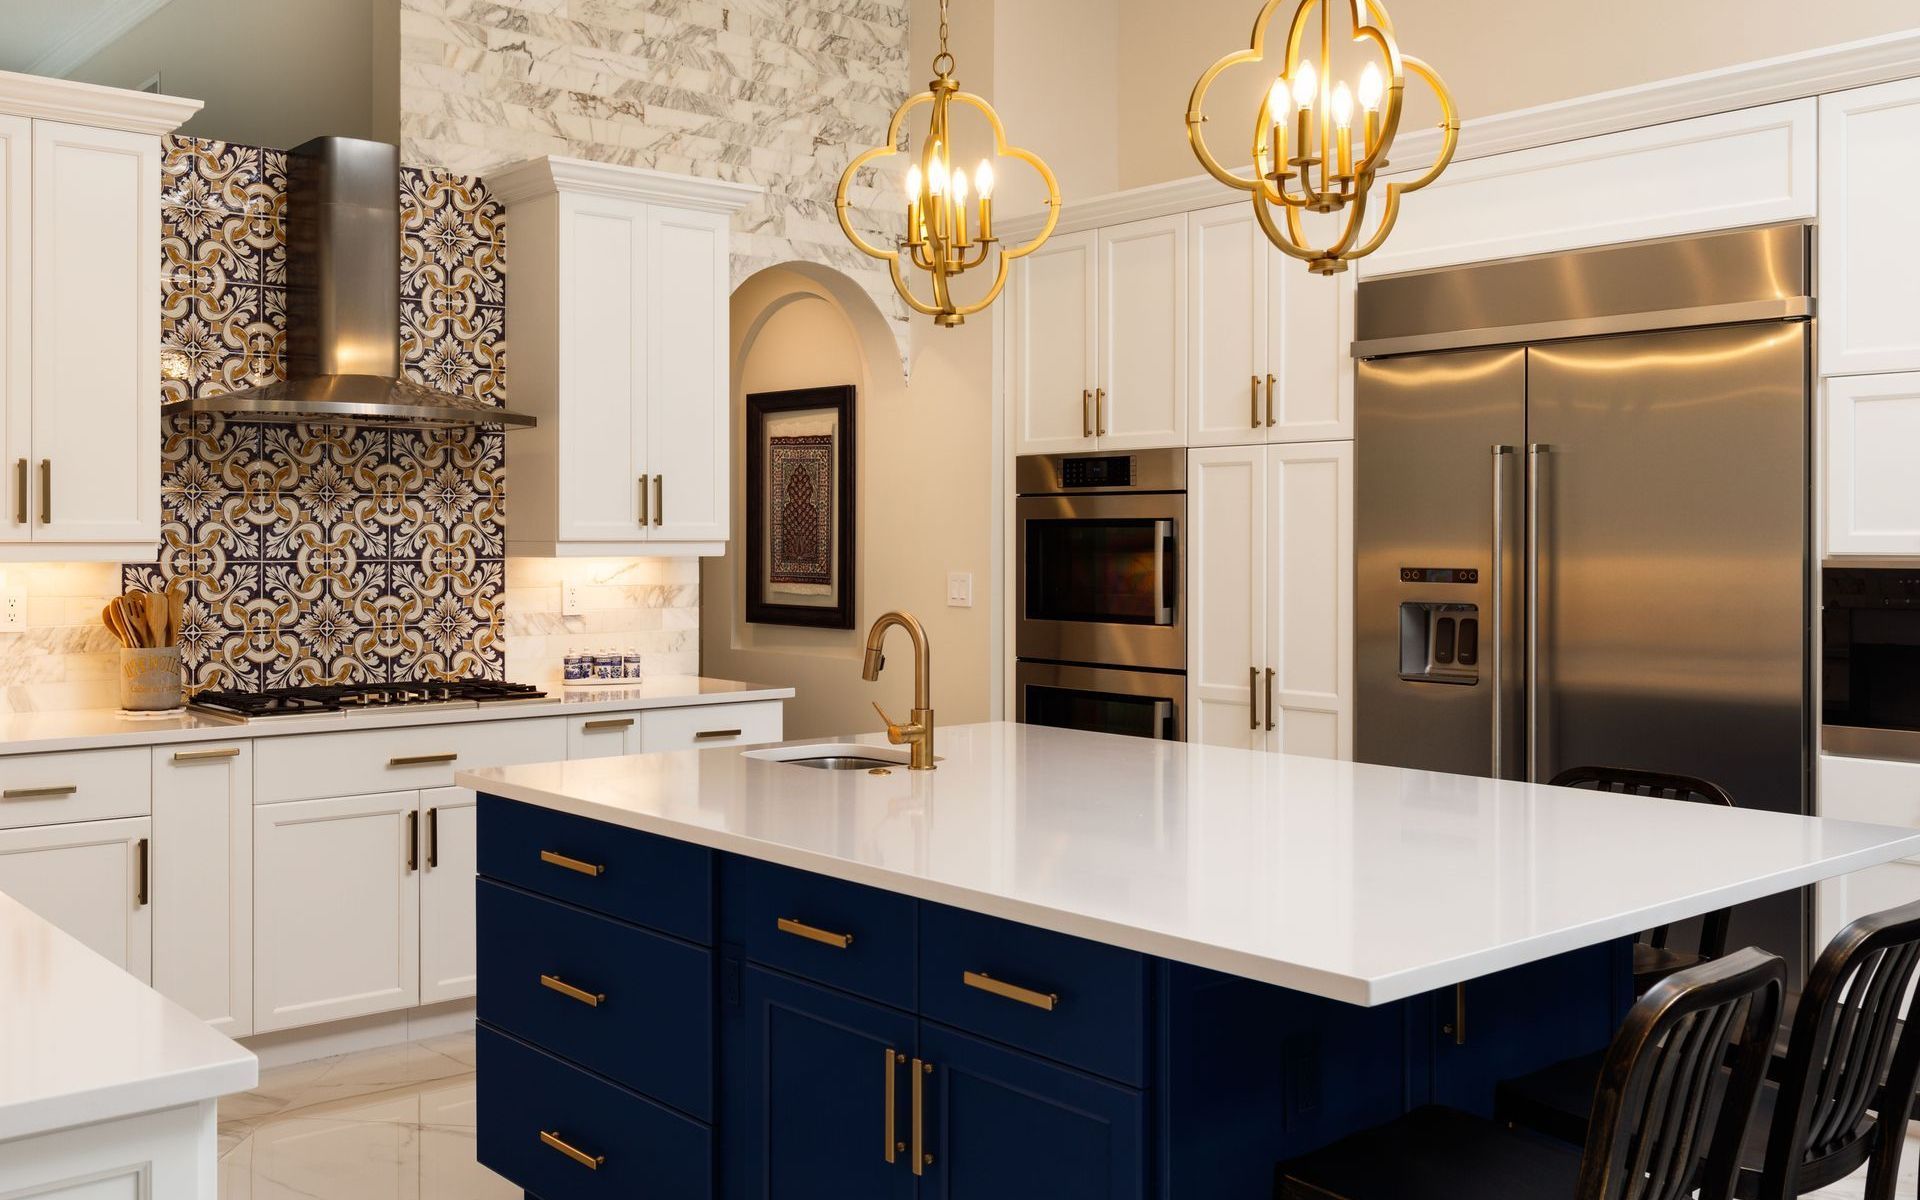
x,y
1165,553
1496,634
1535,452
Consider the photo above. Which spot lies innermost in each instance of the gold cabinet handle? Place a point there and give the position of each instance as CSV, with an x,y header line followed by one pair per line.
x,y
1458,1026
659,500
143,871
1253,697
421,760
839,941
196,756
921,1159
571,864
1256,402
892,1101
46,491
1086,413
644,515
707,735
413,840
1269,697
591,1162
601,726
1100,411
554,983
1270,382
20,492
38,793
1045,1001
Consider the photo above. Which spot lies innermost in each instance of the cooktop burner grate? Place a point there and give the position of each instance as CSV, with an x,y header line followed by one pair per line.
x,y
357,697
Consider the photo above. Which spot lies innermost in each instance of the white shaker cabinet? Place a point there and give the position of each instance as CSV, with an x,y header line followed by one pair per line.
x,y
1270,572
1871,455
618,315
1869,242
203,881
16,326
449,861
89,878
1054,310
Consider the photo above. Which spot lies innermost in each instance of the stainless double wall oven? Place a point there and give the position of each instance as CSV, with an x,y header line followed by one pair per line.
x,y
1100,631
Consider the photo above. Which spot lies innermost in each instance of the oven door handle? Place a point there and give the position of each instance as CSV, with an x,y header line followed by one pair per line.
x,y
1165,554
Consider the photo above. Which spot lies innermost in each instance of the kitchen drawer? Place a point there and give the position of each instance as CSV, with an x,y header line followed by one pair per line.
x,y
796,921
604,735
363,761
600,992
651,881
92,785
1098,993
706,725
641,1148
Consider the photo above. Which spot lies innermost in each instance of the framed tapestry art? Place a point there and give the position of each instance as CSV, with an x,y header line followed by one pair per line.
x,y
799,562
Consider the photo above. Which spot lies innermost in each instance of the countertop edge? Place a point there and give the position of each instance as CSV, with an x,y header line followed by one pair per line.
x,y
115,1102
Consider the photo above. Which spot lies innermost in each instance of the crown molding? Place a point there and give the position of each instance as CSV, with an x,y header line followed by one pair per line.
x,y
107,26
1747,85
552,175
91,104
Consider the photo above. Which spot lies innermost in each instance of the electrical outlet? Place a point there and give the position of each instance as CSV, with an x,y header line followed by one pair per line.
x,y
570,599
13,612
959,589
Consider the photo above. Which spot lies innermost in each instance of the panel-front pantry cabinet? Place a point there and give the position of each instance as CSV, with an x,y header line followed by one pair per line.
x,y
1869,243
618,317
1270,592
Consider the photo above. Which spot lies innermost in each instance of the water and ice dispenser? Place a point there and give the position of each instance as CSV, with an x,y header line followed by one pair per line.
x,y
1439,640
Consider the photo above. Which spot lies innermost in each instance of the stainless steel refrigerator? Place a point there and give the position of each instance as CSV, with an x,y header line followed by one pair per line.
x,y
1583,521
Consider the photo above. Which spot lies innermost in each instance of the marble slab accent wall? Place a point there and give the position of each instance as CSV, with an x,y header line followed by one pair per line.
x,y
651,605
779,93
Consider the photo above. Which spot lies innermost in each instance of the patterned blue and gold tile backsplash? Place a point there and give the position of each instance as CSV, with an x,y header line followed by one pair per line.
x,y
319,554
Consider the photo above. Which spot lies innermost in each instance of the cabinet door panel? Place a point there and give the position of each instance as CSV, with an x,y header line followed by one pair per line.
x,y
448,860
609,736
1003,1124
203,865
816,1103
336,908
1872,450
96,334
1313,388
687,384
1310,597
1869,247
1226,580
1053,314
602,367
16,326
1227,327
84,878
1143,334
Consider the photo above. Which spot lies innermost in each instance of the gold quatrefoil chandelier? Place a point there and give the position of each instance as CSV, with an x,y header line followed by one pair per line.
x,y
1304,154
946,236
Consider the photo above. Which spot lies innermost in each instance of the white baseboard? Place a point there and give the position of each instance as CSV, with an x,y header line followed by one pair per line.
x,y
361,1033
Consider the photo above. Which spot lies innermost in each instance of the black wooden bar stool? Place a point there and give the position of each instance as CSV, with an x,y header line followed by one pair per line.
x,y
1668,1117
1840,1092
1653,958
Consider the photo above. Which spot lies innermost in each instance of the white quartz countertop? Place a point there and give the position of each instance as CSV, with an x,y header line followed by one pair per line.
x,y
83,1041
99,729
1357,882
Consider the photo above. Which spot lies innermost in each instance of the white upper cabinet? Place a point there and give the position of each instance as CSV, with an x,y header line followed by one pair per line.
x,y
1872,454
80,318
1869,241
617,312
1055,308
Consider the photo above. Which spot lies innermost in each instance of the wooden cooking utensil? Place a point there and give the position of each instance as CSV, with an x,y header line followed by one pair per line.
x,y
110,617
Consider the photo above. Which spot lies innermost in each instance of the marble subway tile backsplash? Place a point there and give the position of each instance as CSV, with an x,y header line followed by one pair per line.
x,y
647,604
64,658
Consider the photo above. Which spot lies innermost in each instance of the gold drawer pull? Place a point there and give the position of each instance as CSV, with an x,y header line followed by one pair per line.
x,y
590,1161
892,1102
1045,1001
590,999
571,864
839,941
420,760
921,1159
597,726
711,734
194,756
37,793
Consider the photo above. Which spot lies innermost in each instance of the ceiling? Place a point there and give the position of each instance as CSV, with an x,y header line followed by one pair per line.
x,y
52,37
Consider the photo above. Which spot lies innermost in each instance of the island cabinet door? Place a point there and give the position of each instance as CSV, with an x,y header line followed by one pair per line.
x,y
996,1123
814,1077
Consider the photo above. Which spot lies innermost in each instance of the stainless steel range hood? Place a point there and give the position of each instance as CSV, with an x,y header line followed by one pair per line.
x,y
343,306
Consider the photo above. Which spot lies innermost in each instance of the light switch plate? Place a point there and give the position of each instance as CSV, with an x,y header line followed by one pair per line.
x,y
959,589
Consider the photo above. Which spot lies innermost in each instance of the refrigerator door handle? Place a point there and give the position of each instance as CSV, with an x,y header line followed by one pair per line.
x,y
1536,453
1497,631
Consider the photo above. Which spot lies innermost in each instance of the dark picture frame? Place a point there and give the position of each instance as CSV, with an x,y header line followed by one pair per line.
x,y
824,573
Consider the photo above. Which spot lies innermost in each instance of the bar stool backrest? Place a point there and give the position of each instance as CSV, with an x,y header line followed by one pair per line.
x,y
1679,1082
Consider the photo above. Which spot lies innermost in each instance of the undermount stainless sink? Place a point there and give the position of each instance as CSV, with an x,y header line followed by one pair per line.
x,y
842,762
835,756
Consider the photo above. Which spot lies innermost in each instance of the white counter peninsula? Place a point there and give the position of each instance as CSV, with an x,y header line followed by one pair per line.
x,y
1091,966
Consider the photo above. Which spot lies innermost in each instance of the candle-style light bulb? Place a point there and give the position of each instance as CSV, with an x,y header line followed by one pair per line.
x,y
936,175
1343,128
1279,104
1305,84
915,231
913,183
1342,105
1371,88
960,207
983,183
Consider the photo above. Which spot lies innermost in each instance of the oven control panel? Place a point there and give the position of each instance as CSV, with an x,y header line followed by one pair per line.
x,y
1105,471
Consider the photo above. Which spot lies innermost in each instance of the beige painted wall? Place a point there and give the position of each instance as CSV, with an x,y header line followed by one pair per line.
x,y
1496,55
271,74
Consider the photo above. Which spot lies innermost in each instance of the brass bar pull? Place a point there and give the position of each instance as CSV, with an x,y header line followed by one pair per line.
x,y
892,1101
1086,414
1269,697
413,840
1256,402
591,1162
644,518
1253,697
38,793
421,760
708,735
1270,383
433,837
600,726
839,941
659,500
1100,411
195,756
571,864
1045,1001
20,492
921,1159
46,491
554,983
143,870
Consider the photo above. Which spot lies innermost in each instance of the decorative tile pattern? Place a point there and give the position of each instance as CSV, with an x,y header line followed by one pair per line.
x,y
316,554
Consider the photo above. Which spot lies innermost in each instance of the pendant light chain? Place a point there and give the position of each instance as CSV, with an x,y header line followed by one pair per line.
x,y
943,61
